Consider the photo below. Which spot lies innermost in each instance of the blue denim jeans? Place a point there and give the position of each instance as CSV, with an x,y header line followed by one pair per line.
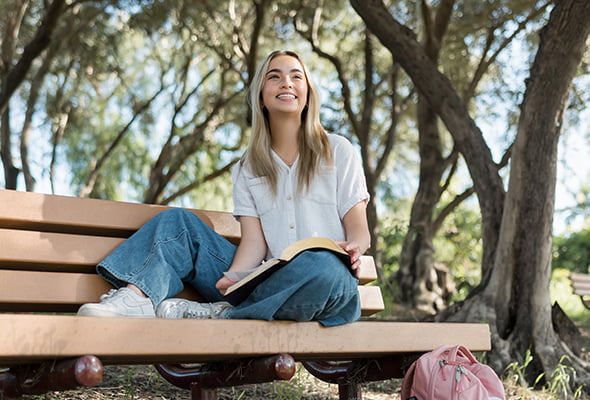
x,y
177,247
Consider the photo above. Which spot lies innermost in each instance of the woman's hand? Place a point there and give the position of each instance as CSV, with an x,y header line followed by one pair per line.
x,y
250,252
223,284
357,234
355,252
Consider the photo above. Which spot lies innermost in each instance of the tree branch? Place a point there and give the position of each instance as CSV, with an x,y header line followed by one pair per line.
x,y
31,51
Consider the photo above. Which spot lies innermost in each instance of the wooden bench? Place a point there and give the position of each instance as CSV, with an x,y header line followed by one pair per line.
x,y
581,287
49,246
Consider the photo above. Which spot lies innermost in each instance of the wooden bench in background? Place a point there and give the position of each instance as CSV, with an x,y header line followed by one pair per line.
x,y
581,287
49,246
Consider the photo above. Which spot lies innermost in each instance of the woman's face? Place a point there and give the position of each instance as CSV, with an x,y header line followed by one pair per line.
x,y
285,86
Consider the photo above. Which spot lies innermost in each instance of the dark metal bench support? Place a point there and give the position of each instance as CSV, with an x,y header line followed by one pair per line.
x,y
349,375
49,376
204,379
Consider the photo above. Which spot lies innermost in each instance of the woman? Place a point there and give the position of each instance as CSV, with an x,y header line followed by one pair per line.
x,y
295,181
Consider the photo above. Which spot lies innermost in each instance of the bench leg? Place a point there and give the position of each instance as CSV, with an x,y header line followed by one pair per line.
x,y
42,378
8,386
349,391
199,393
350,374
204,379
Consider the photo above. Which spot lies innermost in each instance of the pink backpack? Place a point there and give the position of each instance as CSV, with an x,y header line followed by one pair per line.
x,y
451,373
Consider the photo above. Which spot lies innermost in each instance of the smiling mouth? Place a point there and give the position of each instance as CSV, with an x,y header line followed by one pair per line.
x,y
286,96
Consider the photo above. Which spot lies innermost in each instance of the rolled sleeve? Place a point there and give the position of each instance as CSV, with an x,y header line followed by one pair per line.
x,y
243,201
352,185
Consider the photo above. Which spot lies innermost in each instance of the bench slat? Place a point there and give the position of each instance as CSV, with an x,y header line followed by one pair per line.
x,y
48,251
580,284
53,251
578,277
581,287
126,340
55,291
52,213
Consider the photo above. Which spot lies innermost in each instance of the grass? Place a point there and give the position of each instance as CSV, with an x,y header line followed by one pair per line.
x,y
561,291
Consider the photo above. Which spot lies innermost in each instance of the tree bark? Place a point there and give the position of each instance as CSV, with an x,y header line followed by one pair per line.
x,y
513,296
522,268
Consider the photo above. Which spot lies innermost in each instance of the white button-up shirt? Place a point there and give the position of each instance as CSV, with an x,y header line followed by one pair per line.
x,y
290,215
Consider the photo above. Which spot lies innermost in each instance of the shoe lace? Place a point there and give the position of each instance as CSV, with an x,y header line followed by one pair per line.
x,y
203,310
109,296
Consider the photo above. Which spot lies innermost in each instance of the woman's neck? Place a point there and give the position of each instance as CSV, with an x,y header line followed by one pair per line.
x,y
285,139
285,134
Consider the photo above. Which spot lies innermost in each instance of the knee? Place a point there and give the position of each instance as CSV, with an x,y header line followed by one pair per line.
x,y
177,216
325,265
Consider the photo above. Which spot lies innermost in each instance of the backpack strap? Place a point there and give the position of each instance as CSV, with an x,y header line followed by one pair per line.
x,y
407,382
457,352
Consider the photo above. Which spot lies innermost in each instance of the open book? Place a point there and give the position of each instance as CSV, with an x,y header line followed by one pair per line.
x,y
249,279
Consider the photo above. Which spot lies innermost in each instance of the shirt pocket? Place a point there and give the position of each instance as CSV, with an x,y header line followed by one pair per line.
x,y
262,195
323,189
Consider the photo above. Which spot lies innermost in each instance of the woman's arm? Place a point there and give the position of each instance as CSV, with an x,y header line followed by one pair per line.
x,y
358,237
251,250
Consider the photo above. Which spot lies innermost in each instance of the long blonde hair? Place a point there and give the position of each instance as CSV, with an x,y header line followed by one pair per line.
x,y
313,140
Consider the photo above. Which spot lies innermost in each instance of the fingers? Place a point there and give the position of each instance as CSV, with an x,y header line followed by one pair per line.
x,y
223,284
355,267
354,251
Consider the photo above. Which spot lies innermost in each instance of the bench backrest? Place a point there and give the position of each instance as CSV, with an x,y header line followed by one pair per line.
x,y
49,246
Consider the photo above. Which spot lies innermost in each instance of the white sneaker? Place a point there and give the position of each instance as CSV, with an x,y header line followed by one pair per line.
x,y
124,302
181,308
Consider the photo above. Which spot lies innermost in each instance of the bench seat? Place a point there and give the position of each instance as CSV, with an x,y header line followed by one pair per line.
x,y
150,341
50,246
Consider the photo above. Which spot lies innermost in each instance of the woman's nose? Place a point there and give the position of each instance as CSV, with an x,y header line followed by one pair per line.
x,y
286,82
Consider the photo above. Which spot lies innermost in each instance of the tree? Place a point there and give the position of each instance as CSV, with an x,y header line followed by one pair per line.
x,y
421,282
14,71
513,296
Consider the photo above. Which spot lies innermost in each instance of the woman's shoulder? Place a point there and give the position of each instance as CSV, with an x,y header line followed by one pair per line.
x,y
241,168
340,145
336,139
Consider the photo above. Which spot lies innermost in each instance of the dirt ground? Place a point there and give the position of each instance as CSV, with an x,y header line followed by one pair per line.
x,y
144,383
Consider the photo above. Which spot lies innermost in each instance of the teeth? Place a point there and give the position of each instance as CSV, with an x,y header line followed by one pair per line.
x,y
286,96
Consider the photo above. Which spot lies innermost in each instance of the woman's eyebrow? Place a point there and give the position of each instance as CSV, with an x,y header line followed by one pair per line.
x,y
278,70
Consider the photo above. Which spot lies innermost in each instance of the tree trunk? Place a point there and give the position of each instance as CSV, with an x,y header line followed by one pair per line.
x,y
513,296
10,170
522,269
441,96
417,277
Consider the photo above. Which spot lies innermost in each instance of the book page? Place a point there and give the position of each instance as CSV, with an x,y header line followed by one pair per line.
x,y
310,243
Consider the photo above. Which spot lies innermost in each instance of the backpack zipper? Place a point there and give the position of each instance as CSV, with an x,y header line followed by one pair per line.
x,y
459,372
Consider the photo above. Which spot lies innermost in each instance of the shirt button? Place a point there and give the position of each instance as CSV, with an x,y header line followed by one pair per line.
x,y
289,197
291,226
